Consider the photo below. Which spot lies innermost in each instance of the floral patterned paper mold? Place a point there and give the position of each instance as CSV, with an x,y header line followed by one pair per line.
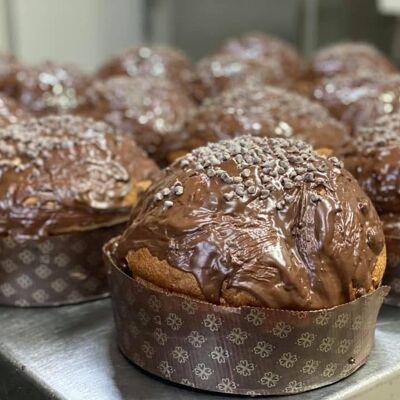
x,y
61,269
248,350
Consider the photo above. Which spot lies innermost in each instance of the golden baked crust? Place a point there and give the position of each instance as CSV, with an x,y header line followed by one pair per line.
x,y
160,273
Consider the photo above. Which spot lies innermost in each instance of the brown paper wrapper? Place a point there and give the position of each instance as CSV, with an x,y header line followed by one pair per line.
x,y
247,350
58,270
392,272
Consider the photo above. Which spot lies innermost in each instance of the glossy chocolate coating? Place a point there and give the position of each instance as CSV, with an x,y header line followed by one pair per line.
x,y
153,110
10,112
349,58
267,216
61,173
51,88
359,99
373,157
158,61
263,111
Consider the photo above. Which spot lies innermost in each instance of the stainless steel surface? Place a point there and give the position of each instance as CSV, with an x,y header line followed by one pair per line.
x,y
69,353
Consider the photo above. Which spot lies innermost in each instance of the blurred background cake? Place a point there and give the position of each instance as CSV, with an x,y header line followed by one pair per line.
x,y
150,109
159,61
359,98
253,58
50,88
348,58
262,111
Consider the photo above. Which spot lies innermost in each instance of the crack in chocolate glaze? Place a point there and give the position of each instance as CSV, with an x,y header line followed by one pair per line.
x,y
59,173
266,216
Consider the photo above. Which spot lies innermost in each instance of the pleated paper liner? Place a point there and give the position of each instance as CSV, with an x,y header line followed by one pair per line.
x,y
58,270
392,272
247,350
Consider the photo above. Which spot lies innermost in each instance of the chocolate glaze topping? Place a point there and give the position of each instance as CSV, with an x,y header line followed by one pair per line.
x,y
267,216
373,157
10,112
158,61
151,109
51,88
359,99
263,111
349,58
59,173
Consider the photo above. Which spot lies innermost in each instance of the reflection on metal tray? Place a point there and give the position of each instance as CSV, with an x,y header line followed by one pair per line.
x,y
69,353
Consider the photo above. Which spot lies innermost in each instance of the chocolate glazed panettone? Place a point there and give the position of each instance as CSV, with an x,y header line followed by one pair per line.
x,y
67,183
262,111
374,159
61,174
348,58
152,110
256,222
359,99
254,58
158,61
222,72
256,45
50,88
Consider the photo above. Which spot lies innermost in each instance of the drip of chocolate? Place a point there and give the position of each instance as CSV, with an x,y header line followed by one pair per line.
x,y
59,173
266,216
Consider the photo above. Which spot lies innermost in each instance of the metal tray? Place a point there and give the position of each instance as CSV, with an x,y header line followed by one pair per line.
x,y
69,353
